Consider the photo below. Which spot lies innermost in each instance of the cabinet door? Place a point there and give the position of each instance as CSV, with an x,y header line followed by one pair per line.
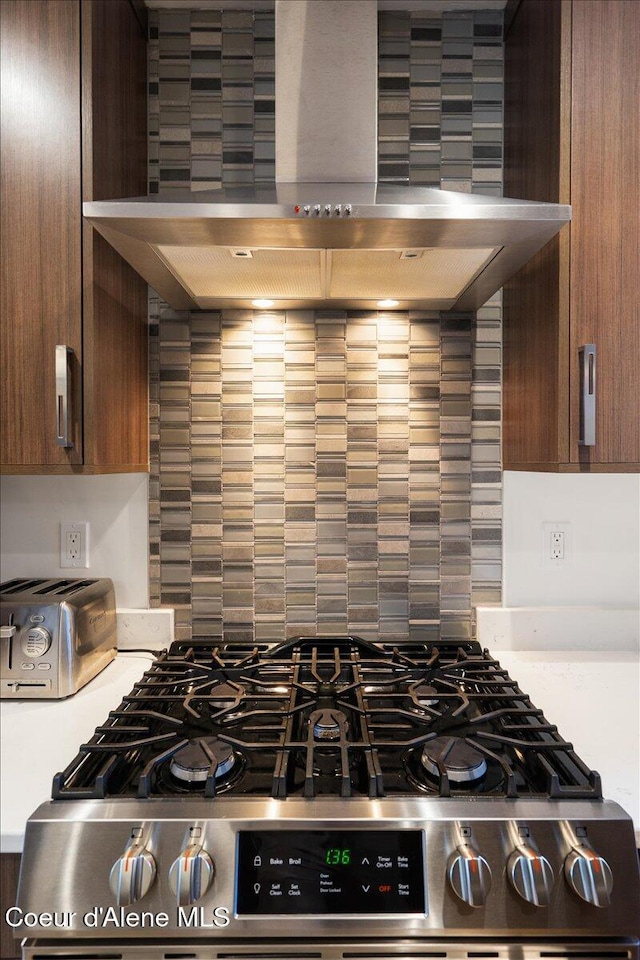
x,y
40,225
605,230
536,300
114,125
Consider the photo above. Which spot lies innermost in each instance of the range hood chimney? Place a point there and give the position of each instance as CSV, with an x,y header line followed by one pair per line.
x,y
326,235
326,91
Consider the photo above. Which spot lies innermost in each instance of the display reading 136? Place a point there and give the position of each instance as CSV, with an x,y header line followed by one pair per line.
x,y
338,855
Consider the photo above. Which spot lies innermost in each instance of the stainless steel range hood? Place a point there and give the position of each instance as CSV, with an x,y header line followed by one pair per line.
x,y
345,241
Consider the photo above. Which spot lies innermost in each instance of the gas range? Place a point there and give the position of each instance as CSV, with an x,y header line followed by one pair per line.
x,y
321,796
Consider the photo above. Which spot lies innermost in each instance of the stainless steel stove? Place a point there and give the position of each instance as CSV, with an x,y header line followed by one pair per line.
x,y
328,798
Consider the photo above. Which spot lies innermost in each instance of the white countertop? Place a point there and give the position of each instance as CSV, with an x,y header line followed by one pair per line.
x,y
592,697
39,738
594,700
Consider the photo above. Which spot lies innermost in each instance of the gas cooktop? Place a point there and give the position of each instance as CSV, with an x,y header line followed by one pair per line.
x,y
321,797
313,717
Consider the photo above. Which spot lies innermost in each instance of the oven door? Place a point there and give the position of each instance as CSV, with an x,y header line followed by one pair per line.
x,y
352,949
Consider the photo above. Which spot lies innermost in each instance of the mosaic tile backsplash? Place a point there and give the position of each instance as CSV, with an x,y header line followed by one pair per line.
x,y
324,471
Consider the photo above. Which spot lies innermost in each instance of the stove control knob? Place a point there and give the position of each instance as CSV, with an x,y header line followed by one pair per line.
x,y
531,875
191,874
132,874
469,875
589,876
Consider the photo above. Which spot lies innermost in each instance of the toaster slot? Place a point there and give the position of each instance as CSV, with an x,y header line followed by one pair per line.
x,y
19,586
53,587
76,585
62,588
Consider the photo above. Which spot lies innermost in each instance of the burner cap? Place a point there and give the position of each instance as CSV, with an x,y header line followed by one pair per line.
x,y
225,690
463,763
326,724
193,761
223,696
426,694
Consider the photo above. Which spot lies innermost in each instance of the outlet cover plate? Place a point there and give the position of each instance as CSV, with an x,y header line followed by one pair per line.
x,y
77,556
556,526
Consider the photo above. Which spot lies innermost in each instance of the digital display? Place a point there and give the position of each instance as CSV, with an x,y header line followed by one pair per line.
x,y
335,856
330,872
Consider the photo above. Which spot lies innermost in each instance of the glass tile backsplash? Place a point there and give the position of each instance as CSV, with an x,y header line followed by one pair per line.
x,y
324,471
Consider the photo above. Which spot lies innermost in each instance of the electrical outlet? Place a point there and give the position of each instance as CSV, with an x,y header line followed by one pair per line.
x,y
556,543
74,544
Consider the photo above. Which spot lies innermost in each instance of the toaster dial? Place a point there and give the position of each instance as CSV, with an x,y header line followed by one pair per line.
x,y
35,642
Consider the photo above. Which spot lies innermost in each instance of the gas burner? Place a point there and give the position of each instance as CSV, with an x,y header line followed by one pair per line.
x,y
227,691
320,716
426,695
328,724
225,695
192,763
462,762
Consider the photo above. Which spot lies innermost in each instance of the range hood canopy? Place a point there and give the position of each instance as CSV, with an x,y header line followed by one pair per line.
x,y
426,248
342,242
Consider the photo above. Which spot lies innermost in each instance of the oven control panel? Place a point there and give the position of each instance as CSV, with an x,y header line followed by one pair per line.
x,y
265,870
330,872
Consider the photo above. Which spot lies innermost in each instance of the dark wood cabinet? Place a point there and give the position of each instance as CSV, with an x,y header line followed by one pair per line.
x,y
9,871
73,129
572,135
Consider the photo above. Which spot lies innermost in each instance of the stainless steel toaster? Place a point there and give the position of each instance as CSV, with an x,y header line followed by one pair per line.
x,y
56,635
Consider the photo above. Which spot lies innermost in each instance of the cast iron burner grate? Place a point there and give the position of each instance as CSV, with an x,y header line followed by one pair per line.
x,y
328,716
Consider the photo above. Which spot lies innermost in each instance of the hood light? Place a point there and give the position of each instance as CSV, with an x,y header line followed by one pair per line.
x,y
385,304
262,304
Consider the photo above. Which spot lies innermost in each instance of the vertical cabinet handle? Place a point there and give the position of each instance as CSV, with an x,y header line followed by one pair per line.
x,y
587,436
63,396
